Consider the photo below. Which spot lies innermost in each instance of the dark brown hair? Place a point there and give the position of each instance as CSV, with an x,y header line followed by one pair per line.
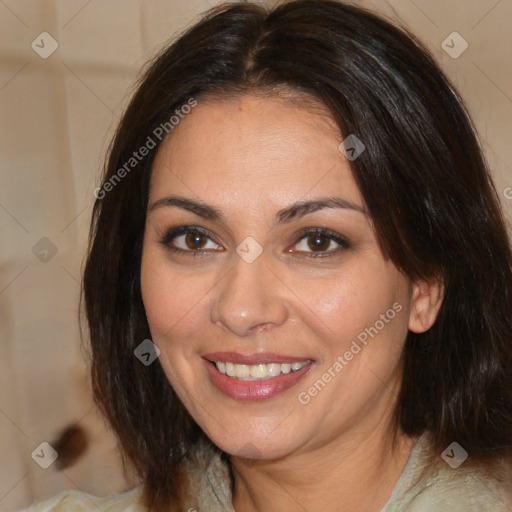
x,y
423,179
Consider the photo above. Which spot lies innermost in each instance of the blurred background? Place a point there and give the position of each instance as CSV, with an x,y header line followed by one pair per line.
x,y
66,72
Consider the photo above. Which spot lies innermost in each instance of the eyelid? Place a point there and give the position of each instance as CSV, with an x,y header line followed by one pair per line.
x,y
330,234
185,230
303,233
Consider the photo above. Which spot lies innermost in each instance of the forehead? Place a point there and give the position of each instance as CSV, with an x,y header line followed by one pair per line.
x,y
253,148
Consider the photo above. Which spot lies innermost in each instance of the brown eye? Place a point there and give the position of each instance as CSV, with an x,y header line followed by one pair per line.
x,y
189,240
195,240
320,242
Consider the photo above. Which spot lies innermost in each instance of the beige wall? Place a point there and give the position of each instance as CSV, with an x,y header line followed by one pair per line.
x,y
57,115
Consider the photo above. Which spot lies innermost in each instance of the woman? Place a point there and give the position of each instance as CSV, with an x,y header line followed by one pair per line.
x,y
299,282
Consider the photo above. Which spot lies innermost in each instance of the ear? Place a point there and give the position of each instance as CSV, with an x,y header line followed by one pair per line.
x,y
426,300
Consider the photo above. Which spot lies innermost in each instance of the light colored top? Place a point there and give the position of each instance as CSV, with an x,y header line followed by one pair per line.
x,y
440,488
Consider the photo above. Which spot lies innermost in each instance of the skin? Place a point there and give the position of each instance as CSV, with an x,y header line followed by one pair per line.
x,y
250,157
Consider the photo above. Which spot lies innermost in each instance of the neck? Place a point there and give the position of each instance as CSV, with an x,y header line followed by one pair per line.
x,y
351,473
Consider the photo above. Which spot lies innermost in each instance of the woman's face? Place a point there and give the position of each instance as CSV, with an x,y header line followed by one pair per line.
x,y
265,281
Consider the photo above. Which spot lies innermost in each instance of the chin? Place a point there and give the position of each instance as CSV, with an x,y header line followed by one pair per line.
x,y
260,443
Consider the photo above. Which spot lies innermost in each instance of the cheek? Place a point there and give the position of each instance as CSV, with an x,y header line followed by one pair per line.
x,y
156,295
173,302
360,320
343,306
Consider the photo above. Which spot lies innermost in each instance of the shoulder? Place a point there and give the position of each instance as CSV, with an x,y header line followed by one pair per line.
x,y
425,486
78,501
205,470
453,491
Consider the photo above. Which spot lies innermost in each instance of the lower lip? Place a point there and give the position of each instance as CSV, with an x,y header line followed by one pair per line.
x,y
254,390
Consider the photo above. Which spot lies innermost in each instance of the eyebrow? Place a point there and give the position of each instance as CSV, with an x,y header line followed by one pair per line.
x,y
296,210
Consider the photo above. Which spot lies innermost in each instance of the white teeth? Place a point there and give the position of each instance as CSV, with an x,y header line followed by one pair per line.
x,y
241,371
230,369
286,368
273,369
257,371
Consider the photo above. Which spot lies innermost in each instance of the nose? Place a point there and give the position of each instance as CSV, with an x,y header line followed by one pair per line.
x,y
249,299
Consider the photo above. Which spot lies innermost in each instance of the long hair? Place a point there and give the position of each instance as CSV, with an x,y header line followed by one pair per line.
x,y
423,178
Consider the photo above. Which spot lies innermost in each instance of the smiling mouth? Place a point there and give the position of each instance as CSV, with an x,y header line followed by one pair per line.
x,y
260,371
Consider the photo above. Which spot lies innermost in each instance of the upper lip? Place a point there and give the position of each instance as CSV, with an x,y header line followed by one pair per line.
x,y
251,359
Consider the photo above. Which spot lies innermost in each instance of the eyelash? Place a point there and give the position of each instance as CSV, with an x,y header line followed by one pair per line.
x,y
185,230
